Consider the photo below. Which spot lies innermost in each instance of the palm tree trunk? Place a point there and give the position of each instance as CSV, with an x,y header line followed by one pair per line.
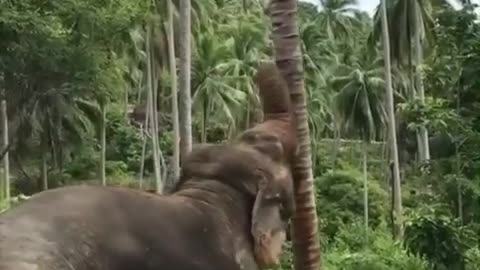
x,y
398,225
6,158
459,163
44,170
155,133
126,103
203,135
103,143
184,78
413,93
365,189
173,76
144,148
144,130
151,108
336,146
288,56
425,153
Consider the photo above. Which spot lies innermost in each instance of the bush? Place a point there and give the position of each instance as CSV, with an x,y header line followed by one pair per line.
x,y
382,253
439,238
346,252
116,168
84,165
340,200
124,141
473,259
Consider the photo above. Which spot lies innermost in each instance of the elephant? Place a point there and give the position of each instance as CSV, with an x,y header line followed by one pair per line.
x,y
256,175
228,211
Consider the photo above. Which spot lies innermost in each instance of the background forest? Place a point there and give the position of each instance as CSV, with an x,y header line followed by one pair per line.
x,y
78,77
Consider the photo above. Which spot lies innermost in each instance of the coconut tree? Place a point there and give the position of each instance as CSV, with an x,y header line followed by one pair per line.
x,y
359,104
6,163
410,24
337,18
151,101
287,51
250,32
397,199
213,88
185,77
103,142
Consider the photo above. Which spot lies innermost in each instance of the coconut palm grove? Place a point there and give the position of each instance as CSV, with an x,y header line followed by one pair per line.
x,y
387,174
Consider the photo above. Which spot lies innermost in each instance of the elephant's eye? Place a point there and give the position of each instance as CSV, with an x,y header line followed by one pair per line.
x,y
284,213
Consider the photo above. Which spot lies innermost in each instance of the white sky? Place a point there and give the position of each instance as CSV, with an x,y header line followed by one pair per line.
x,y
370,5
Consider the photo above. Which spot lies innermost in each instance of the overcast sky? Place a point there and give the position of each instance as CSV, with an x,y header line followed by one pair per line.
x,y
370,5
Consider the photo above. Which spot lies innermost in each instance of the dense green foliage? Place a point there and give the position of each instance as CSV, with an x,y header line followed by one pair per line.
x,y
62,61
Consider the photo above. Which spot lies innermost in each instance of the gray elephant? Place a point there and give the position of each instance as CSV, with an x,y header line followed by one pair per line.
x,y
229,210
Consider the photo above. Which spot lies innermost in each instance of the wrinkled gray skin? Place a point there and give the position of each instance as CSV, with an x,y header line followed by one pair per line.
x,y
205,225
97,228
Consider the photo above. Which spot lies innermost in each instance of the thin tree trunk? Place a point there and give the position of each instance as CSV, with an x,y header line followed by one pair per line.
x,y
155,130
173,76
458,163
425,153
103,144
5,150
392,199
336,147
249,108
185,101
413,95
126,103
459,187
288,56
365,189
386,160
398,225
44,171
144,148
203,135
150,101
2,191
6,158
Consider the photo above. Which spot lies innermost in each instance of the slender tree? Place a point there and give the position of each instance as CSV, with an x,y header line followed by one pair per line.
x,y
418,37
174,91
411,24
103,143
360,106
185,101
288,56
44,169
6,161
398,227
151,109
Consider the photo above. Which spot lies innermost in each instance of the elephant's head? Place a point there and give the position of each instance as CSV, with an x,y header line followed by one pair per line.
x,y
267,182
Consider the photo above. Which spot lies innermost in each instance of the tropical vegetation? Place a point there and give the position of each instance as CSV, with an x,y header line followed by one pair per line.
x,y
114,92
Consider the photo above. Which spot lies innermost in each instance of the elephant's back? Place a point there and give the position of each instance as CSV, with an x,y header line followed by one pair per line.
x,y
89,227
64,228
